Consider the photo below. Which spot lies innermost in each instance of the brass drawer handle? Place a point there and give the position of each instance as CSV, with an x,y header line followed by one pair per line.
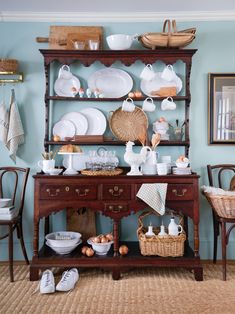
x,y
86,191
110,207
116,191
178,194
57,191
67,188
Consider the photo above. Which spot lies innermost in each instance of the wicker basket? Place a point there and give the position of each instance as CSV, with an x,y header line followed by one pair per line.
x,y
174,39
223,205
159,245
8,65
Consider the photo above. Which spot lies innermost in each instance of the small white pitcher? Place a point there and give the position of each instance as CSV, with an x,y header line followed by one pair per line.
x,y
150,165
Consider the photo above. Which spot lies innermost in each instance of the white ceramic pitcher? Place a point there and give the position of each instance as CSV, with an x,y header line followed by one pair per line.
x,y
150,165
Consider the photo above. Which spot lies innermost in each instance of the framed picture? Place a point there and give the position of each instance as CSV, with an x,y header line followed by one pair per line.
x,y
221,108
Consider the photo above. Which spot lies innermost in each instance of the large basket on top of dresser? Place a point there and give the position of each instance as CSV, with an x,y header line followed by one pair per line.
x,y
159,245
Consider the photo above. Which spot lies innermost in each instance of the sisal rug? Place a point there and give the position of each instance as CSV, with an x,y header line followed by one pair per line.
x,y
161,291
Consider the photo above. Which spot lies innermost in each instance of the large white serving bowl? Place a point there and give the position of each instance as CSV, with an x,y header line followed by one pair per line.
x,y
100,248
64,250
5,202
119,41
52,240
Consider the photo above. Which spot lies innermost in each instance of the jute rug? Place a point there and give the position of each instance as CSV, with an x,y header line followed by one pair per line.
x,y
139,291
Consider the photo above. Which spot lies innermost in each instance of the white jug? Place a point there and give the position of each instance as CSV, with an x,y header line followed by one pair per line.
x,y
173,228
150,165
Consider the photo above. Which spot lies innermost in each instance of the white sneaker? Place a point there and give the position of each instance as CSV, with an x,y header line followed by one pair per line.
x,y
68,280
47,283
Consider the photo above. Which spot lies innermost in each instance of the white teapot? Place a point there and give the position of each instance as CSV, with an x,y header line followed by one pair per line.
x,y
173,228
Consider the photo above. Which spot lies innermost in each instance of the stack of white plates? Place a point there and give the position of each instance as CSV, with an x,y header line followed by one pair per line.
x,y
182,171
63,242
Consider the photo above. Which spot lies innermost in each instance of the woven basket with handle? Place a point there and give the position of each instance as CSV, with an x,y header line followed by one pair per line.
x,y
168,37
223,205
8,65
159,245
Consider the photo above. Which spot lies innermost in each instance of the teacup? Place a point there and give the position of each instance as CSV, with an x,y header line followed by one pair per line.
x,y
168,74
147,73
46,165
148,105
128,105
168,104
64,72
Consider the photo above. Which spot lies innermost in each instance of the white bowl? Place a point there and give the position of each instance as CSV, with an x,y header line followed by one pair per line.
x,y
52,240
64,250
5,202
100,248
54,171
181,164
119,41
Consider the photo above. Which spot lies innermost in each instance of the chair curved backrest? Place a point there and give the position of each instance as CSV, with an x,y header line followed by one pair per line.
x,y
6,176
216,174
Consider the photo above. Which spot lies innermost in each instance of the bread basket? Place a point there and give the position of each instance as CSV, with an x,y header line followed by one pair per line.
x,y
8,65
168,38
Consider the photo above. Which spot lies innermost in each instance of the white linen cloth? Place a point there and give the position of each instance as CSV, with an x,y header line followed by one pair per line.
x,y
15,136
4,116
216,191
154,195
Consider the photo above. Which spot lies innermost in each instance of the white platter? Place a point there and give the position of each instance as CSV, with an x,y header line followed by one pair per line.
x,y
64,128
67,87
96,121
79,120
111,82
157,82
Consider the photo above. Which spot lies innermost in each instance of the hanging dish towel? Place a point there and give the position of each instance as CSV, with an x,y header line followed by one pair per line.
x,y
15,136
3,123
154,195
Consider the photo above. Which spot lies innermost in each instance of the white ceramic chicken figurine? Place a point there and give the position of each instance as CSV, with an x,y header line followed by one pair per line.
x,y
135,159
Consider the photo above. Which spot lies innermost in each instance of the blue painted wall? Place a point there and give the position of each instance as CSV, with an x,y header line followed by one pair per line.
x,y
216,50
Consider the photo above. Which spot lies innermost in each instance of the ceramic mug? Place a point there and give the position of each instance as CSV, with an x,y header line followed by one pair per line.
x,y
147,73
128,105
148,105
46,165
162,168
168,104
168,74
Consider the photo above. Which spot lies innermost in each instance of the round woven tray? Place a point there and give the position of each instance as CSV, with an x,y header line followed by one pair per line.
x,y
126,126
8,65
114,172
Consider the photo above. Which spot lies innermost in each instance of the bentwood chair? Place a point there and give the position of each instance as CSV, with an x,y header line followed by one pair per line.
x,y
13,182
223,207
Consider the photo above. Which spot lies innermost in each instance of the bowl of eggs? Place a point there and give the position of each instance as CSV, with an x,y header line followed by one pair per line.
x,y
182,162
101,244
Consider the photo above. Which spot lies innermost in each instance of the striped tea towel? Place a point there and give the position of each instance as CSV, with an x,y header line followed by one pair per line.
x,y
154,195
3,123
15,136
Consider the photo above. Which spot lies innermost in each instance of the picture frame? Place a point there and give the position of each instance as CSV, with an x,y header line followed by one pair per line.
x,y
221,108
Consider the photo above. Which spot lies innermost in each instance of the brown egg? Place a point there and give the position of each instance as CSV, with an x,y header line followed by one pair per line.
x,y
89,252
83,250
56,138
96,239
109,236
137,94
103,239
123,249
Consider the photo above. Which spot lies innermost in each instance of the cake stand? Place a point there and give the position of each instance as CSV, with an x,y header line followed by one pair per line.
x,y
70,170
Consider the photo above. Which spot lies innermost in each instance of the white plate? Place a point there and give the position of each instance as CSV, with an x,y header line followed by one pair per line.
x,y
111,82
64,128
67,88
79,120
96,121
157,82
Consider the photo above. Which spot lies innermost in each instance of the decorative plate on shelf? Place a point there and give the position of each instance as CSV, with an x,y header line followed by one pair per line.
x,y
157,82
126,125
67,87
79,120
64,128
111,82
96,121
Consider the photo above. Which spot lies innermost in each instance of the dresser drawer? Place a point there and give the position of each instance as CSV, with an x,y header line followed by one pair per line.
x,y
68,191
116,192
180,192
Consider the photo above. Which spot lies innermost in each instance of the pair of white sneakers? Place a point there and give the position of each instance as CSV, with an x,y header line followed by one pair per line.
x,y
67,282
